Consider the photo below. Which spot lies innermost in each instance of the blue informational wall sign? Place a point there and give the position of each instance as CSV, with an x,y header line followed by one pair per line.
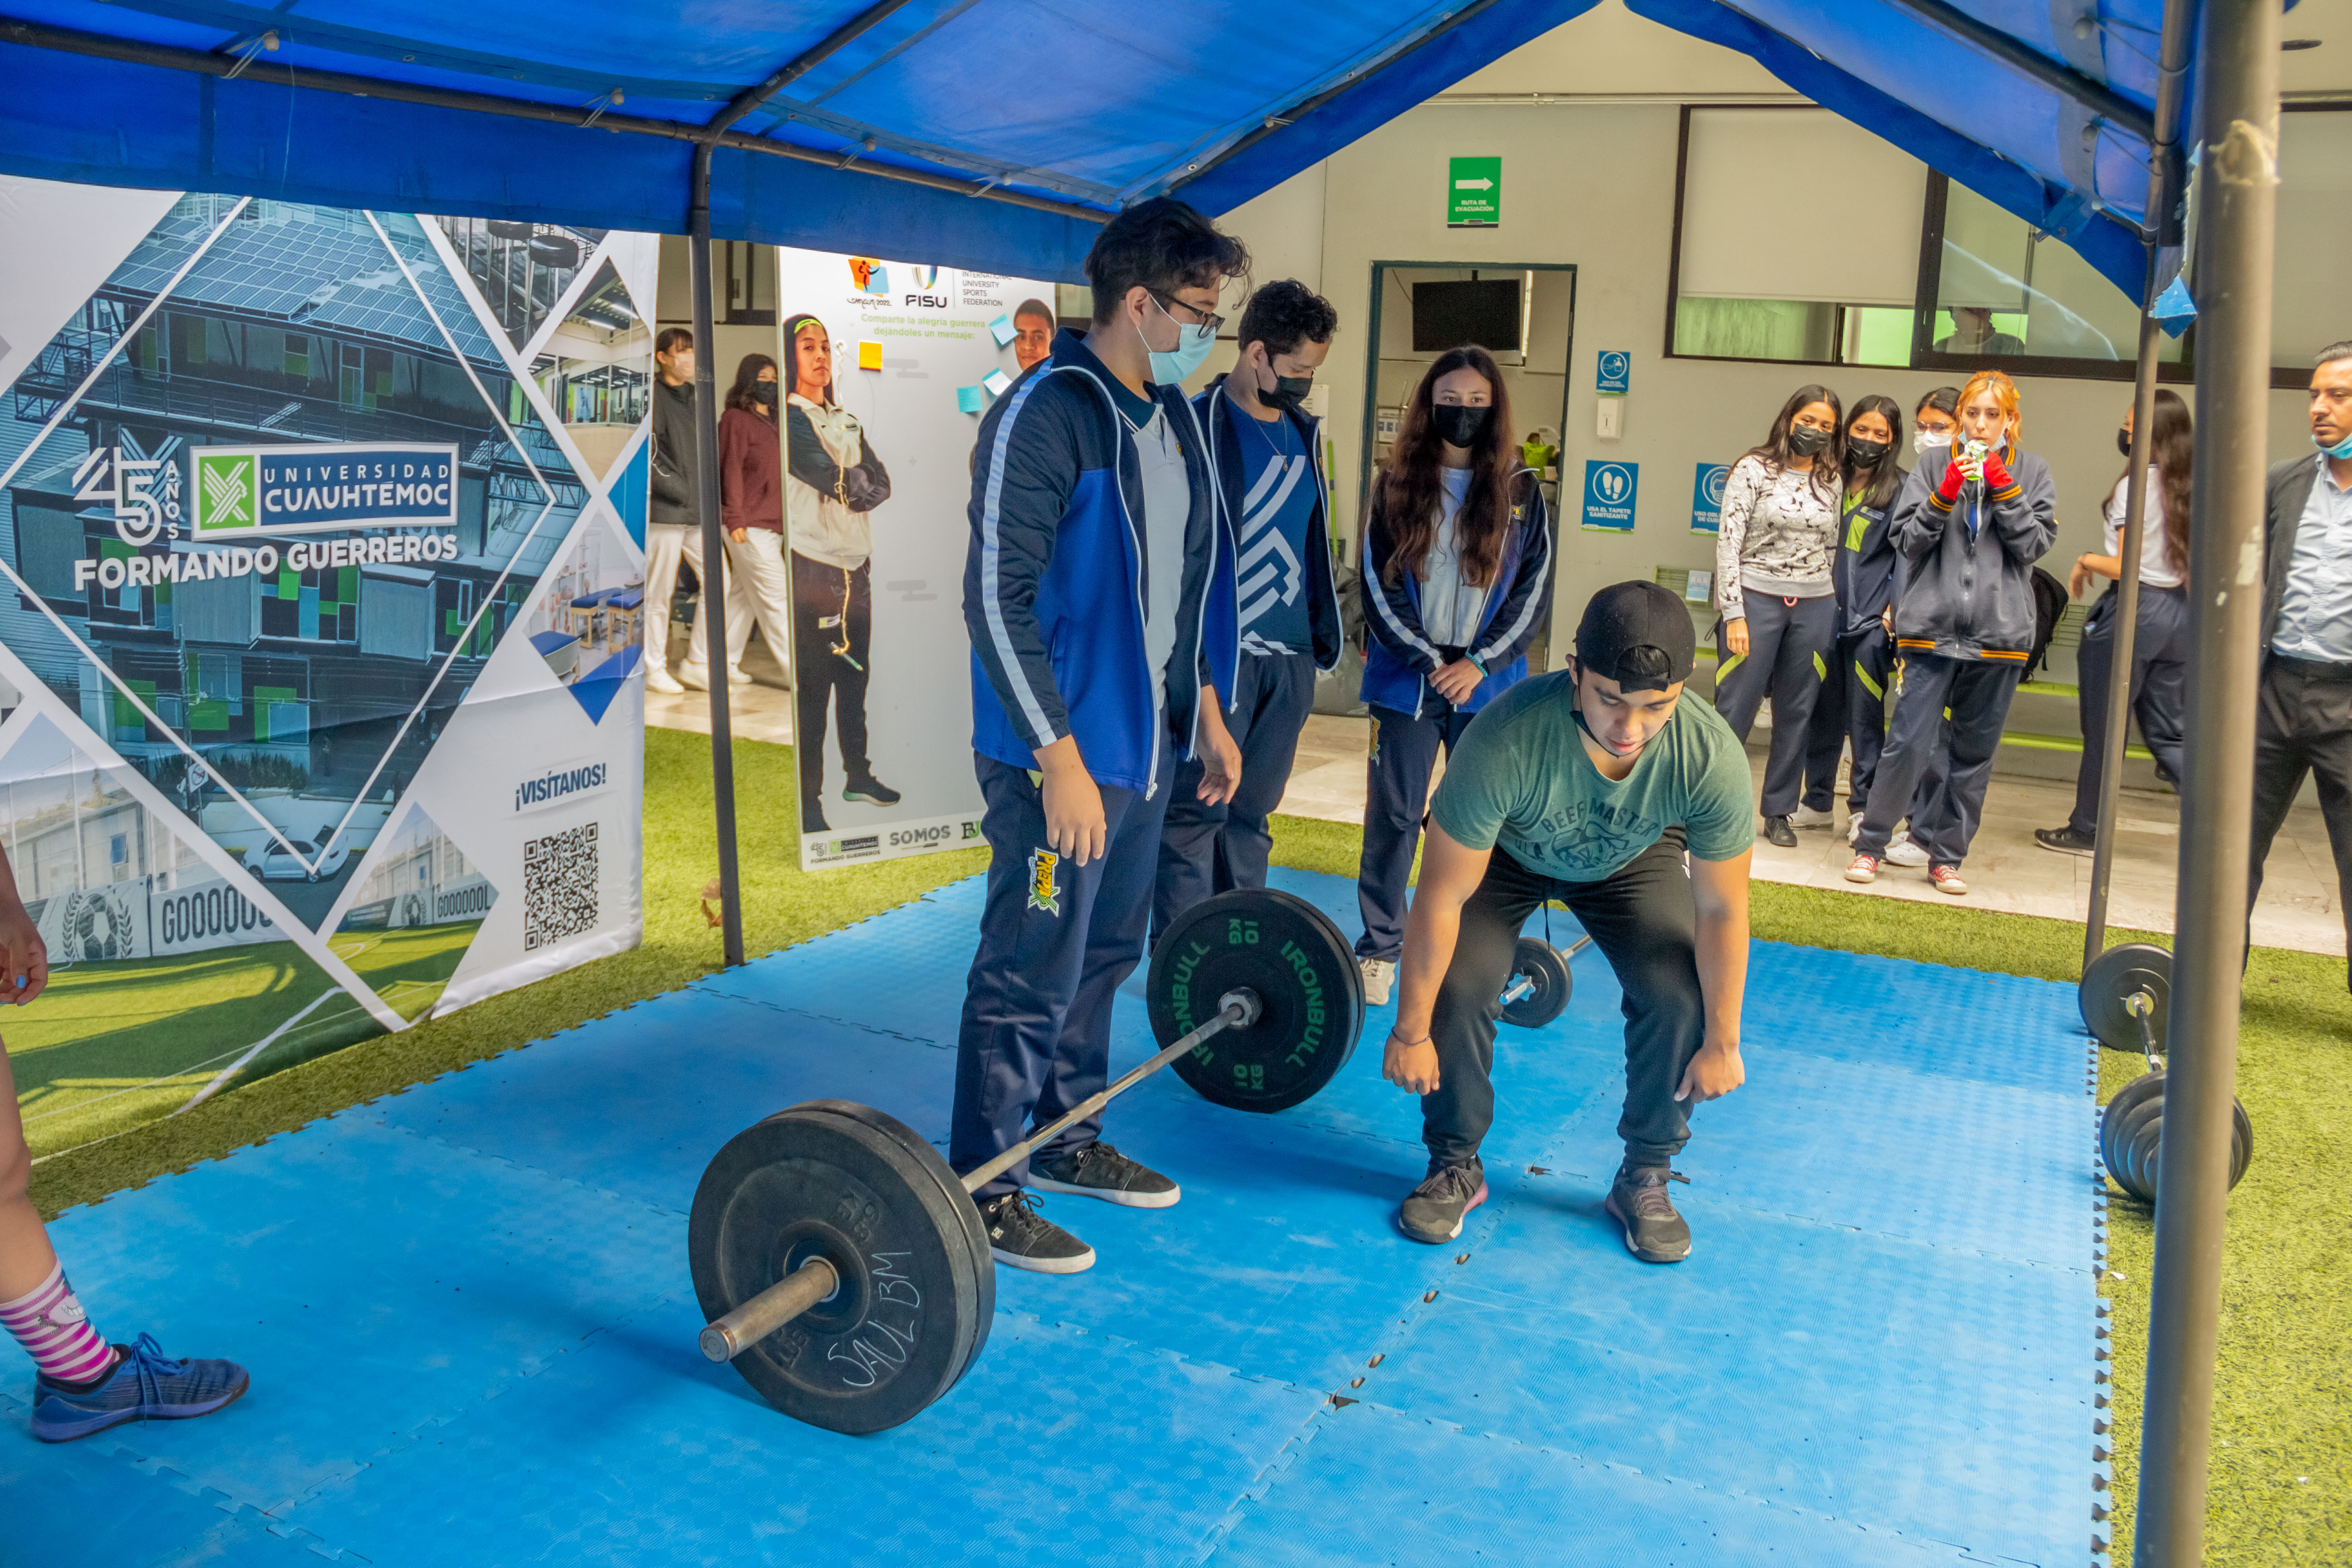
x,y
1706,498
1609,490
1616,373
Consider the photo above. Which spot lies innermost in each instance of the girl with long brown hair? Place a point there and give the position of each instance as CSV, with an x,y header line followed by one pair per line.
x,y
2160,645
1456,578
751,509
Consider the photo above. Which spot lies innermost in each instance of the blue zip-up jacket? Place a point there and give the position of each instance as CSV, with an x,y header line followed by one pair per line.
x,y
1054,581
1868,569
1401,658
1322,593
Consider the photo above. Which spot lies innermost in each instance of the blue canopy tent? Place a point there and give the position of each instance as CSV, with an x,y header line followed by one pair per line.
x,y
1001,139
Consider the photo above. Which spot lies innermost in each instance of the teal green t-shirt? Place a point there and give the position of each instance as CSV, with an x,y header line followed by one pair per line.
x,y
1522,779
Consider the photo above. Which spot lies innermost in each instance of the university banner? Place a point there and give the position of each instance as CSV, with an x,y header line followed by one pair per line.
x,y
889,365
320,627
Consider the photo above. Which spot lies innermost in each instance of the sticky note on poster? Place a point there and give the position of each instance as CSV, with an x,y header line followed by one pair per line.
x,y
869,356
1001,329
970,400
996,380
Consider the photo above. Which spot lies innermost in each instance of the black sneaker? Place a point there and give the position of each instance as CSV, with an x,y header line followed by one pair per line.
x,y
870,790
1777,831
1097,1170
2065,840
1435,1210
1022,1236
1637,1200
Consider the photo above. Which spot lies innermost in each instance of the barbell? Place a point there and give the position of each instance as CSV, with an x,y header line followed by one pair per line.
x,y
2131,1126
1541,983
843,1268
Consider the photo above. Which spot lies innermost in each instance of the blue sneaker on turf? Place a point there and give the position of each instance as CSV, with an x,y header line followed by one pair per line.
x,y
145,1385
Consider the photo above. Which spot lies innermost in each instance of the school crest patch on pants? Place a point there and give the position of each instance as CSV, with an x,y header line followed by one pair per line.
x,y
1042,892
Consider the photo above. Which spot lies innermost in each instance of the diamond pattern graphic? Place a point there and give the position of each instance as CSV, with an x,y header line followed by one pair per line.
x,y
284,698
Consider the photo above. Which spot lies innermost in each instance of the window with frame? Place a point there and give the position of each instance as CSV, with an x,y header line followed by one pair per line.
x,y
1979,284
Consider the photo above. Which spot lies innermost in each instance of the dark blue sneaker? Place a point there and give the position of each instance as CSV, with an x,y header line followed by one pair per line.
x,y
145,1385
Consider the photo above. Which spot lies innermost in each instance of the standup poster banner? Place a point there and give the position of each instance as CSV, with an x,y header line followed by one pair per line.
x,y
321,619
888,365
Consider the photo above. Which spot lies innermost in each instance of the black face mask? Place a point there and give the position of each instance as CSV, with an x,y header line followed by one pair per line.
x,y
2123,442
1289,391
1806,441
1460,424
1865,453
763,392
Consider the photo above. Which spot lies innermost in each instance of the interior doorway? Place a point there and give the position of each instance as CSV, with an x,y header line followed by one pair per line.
x,y
1524,314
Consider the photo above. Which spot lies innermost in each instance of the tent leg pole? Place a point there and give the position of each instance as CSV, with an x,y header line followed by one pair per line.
x,y
2123,632
713,608
2238,127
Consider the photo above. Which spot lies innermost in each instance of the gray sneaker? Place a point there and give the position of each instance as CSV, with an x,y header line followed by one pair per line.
x,y
1435,1210
1097,1170
1018,1234
1637,1201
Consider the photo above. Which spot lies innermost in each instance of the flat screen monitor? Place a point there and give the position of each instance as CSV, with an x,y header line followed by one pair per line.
x,y
1482,311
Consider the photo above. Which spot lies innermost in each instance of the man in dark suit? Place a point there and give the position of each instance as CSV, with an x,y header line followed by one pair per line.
x,y
2303,721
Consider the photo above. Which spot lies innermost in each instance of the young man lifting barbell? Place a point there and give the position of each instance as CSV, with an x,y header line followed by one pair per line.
x,y
1587,785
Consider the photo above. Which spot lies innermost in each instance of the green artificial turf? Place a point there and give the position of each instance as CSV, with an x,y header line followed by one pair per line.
x,y
2281,1413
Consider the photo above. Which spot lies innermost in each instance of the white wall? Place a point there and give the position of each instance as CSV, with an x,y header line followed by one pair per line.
x,y
1593,184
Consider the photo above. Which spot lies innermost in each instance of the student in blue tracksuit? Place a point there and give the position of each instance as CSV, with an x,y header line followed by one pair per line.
x,y
1267,453
1457,581
1098,593
1866,571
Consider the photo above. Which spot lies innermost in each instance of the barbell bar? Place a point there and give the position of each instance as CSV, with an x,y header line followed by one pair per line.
x,y
2131,1125
816,1281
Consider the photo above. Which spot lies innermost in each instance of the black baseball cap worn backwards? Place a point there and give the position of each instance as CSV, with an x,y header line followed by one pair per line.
x,y
1638,635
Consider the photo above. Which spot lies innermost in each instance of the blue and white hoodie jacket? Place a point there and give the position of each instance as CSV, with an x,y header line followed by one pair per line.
x,y
1054,578
1401,658
1324,629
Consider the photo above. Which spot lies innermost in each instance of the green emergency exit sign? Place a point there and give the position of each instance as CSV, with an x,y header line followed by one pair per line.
x,y
1473,193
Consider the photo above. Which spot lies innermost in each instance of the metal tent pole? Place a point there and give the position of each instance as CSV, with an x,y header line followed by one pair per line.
x,y
2238,130
713,608
2158,226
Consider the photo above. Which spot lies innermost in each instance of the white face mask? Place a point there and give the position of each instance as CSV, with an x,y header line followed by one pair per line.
x,y
1922,441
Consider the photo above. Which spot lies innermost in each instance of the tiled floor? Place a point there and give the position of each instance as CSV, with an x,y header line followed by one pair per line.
x,y
2006,870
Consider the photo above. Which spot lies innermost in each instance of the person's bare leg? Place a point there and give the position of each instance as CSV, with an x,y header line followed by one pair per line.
x,y
25,1255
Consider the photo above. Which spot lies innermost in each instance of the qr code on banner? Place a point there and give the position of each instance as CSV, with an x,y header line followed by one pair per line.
x,y
559,886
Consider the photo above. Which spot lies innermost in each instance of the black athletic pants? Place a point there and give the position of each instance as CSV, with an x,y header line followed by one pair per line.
x,y
1396,798
1641,918
830,607
2159,688
1055,940
2303,724
1852,708
1788,660
1205,848
1975,693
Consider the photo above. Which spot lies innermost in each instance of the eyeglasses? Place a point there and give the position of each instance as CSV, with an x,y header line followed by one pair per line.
x,y
1208,319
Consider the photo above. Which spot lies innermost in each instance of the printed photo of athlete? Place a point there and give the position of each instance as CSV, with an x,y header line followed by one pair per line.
x,y
833,482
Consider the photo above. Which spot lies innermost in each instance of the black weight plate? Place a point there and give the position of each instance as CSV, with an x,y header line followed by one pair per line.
x,y
872,1198
1546,967
979,1257
2131,1132
1292,955
2114,976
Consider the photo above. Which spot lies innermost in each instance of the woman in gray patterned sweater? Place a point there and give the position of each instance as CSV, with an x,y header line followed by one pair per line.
x,y
1776,591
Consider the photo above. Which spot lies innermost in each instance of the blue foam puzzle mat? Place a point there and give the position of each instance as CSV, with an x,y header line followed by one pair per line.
x,y
1059,1445
1370,1486
466,1307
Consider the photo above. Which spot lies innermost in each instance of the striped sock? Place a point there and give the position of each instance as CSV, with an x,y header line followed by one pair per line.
x,y
55,1331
